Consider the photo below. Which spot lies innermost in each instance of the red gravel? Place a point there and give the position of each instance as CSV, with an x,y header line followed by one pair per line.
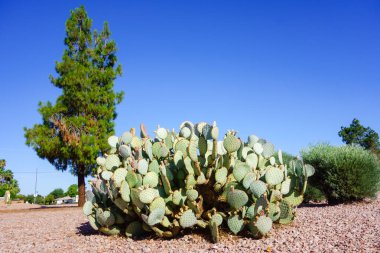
x,y
318,228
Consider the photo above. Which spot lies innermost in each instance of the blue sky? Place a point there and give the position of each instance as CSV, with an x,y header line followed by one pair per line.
x,y
292,72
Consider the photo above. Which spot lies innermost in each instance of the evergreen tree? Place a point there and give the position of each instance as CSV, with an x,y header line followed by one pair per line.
x,y
360,135
74,130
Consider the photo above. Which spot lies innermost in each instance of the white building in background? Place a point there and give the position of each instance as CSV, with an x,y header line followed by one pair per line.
x,y
67,200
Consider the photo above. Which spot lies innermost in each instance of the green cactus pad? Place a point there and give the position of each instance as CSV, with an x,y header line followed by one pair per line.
x,y
192,194
202,144
275,196
158,202
101,161
192,151
134,229
231,143
135,142
179,197
148,195
87,208
252,160
132,178
274,212
119,176
215,132
214,231
114,230
240,170
248,179
106,175
294,198
161,133
154,166
148,148
264,225
235,224
252,139
150,179
237,198
93,223
280,156
308,170
105,218
182,145
217,218
135,197
221,175
126,138
274,176
285,186
185,132
258,148
142,166
125,151
258,188
156,149
188,219
112,162
268,150
156,216
125,191
113,141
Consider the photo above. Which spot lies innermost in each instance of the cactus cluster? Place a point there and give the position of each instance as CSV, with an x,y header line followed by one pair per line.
x,y
187,179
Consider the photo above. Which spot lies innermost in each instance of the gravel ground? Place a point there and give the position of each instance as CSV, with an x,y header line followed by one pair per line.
x,y
317,228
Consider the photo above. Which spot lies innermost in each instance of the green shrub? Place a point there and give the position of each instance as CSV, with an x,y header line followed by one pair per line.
x,y
345,173
313,194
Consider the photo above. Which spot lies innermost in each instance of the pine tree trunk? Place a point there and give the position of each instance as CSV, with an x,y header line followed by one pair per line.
x,y
81,189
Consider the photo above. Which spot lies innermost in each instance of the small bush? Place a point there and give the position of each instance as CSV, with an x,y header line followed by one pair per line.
x,y
345,173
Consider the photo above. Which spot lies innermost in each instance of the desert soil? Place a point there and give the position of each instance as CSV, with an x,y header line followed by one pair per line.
x,y
317,228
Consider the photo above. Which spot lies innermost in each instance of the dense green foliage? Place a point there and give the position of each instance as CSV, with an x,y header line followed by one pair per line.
x,y
49,199
57,193
360,135
75,129
188,179
343,173
72,191
7,181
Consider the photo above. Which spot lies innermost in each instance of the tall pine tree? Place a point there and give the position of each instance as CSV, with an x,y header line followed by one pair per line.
x,y
75,129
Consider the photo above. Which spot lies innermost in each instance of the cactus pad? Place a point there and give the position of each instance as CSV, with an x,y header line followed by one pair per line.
x,y
188,219
274,176
258,188
240,170
231,143
235,224
237,198
264,225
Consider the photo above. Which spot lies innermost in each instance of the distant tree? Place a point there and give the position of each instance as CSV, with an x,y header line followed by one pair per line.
x,y
360,135
40,200
72,191
7,182
49,199
75,129
57,193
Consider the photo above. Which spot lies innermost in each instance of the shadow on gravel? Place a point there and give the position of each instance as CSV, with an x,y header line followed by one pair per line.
x,y
313,205
86,230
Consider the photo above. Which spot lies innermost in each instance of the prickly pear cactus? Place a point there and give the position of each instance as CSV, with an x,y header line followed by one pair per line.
x,y
189,179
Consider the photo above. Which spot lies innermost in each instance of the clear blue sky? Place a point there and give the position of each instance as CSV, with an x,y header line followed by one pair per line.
x,y
292,72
